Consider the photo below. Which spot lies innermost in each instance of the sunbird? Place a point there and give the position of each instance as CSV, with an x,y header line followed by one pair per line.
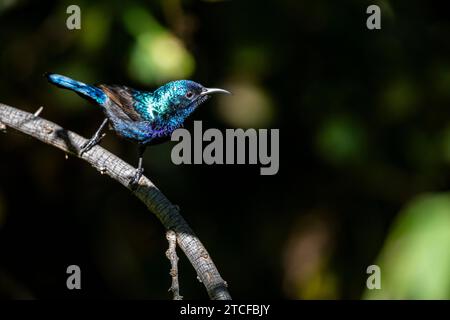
x,y
144,117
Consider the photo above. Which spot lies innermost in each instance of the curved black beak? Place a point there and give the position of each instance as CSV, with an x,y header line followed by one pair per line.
x,y
207,91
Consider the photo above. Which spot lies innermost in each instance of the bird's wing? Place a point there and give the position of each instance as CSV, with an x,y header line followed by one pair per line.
x,y
123,97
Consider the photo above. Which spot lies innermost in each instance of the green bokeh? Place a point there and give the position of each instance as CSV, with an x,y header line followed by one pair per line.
x,y
415,260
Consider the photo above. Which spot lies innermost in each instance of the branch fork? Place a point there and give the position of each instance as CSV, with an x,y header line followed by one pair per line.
x,y
109,164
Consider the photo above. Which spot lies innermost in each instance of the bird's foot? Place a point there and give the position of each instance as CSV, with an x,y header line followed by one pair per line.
x,y
135,179
91,143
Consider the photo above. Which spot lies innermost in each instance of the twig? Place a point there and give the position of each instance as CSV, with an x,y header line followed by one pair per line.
x,y
171,254
38,111
109,164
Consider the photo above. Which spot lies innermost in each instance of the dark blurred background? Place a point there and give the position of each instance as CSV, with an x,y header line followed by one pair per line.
x,y
364,149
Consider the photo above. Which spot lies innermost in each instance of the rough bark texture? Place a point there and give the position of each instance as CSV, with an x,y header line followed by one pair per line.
x,y
109,164
171,254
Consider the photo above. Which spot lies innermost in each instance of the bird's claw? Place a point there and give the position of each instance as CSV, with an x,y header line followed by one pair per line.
x,y
91,143
135,179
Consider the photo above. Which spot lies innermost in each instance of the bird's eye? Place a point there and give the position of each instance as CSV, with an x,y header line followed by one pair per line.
x,y
189,94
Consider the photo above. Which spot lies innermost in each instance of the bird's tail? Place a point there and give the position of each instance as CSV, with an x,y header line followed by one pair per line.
x,y
86,91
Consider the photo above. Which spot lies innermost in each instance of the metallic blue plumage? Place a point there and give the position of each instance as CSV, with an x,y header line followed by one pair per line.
x,y
140,116
137,115
85,90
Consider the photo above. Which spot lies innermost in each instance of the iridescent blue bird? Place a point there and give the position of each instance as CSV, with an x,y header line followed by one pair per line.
x,y
143,117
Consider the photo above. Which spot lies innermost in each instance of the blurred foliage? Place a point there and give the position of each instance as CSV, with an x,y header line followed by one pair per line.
x,y
158,55
365,148
342,140
415,260
248,107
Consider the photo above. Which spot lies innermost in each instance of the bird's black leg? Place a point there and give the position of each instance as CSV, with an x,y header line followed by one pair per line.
x,y
95,139
140,170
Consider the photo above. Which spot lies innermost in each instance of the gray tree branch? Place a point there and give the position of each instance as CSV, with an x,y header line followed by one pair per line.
x,y
109,164
171,254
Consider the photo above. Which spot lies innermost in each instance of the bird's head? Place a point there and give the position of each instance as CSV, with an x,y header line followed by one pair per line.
x,y
185,94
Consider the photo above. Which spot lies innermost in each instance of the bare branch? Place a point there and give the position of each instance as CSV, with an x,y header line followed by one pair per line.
x,y
171,254
38,111
109,164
